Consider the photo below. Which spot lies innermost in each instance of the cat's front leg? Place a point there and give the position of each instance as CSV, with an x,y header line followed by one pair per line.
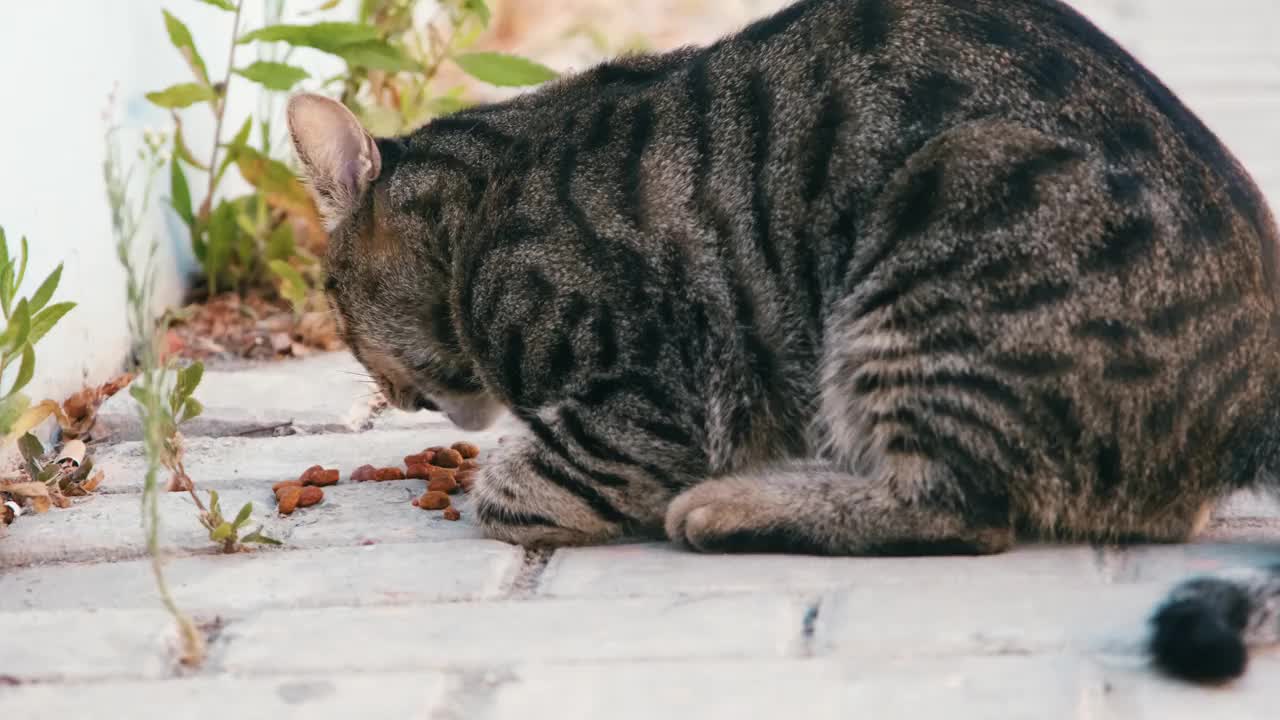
x,y
578,479
526,495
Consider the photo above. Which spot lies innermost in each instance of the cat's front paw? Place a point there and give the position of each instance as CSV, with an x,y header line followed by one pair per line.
x,y
515,503
732,515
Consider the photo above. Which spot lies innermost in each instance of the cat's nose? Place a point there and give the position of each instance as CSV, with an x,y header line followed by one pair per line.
x,y
424,403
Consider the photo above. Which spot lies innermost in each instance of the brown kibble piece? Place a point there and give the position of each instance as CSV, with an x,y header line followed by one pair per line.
x,y
466,450
433,500
310,496
363,473
469,465
466,481
448,458
423,458
289,498
317,475
442,483
388,473
418,472
285,484
451,513
435,449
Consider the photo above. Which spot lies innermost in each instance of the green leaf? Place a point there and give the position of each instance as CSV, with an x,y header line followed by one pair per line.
x,y
11,408
180,36
243,516
277,182
19,329
180,146
180,192
504,70
257,537
222,235
273,75
188,380
26,370
280,244
139,394
293,287
446,105
49,472
45,292
190,409
325,36
214,508
358,44
240,140
22,268
44,321
375,55
478,8
222,532
30,447
7,286
182,95
223,4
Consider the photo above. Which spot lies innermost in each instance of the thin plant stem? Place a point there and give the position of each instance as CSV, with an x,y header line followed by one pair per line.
x,y
222,109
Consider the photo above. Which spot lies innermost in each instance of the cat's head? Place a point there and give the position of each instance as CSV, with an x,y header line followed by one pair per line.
x,y
389,291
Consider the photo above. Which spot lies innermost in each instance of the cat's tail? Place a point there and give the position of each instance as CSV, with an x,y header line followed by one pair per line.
x,y
1205,628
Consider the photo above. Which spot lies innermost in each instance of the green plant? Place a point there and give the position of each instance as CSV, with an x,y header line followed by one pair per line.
x,y
26,322
164,393
404,95
274,233
226,531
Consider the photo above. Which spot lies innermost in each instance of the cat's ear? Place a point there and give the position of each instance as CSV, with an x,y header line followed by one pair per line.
x,y
340,159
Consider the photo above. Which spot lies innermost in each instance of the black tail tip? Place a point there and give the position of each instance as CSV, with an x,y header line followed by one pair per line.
x,y
1193,642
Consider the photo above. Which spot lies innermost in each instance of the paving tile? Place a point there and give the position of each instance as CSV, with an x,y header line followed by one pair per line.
x,y
1045,688
385,696
108,527
480,634
222,463
382,574
317,394
658,569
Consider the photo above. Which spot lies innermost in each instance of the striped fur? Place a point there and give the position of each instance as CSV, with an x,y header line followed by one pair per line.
x,y
867,276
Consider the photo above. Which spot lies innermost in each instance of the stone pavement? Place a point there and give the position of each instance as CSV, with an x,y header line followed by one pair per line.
x,y
375,609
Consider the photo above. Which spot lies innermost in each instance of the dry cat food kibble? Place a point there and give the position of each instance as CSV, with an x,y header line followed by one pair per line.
x,y
423,458
288,498
310,496
388,473
466,450
285,484
363,473
433,500
447,458
318,476
442,481
418,472
451,513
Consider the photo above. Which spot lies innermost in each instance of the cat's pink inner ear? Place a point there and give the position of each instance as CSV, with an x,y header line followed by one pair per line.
x,y
341,160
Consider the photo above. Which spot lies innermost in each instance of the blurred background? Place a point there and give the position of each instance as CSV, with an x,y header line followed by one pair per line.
x,y
78,67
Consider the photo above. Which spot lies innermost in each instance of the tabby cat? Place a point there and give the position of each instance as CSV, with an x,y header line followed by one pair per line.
x,y
869,276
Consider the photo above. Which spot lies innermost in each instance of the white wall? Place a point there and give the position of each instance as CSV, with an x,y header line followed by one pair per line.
x,y
62,58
